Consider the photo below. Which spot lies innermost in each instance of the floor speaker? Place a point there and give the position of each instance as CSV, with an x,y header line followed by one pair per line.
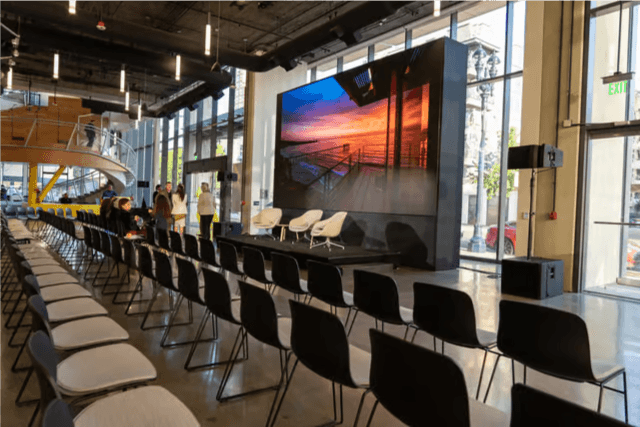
x,y
536,278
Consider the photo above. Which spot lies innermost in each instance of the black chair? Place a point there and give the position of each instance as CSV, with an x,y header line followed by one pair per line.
x,y
556,343
377,295
69,213
176,243
163,239
534,408
260,320
150,235
319,341
253,266
208,253
60,212
21,213
189,287
286,275
421,387
448,315
191,247
220,304
229,259
325,283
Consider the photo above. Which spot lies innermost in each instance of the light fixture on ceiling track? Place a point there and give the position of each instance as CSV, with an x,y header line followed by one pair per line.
x,y
436,8
618,76
178,67
207,34
56,65
72,7
126,100
216,65
101,25
10,78
122,77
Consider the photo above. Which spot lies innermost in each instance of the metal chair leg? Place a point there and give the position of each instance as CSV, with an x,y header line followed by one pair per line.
x,y
373,411
493,372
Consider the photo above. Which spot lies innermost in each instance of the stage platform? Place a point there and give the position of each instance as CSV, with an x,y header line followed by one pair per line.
x,y
302,253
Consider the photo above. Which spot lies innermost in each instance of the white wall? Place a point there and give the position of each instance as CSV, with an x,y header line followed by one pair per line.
x,y
267,87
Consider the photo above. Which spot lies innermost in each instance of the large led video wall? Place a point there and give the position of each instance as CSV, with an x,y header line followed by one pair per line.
x,y
359,141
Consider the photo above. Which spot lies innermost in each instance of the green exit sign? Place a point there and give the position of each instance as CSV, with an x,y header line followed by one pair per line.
x,y
620,87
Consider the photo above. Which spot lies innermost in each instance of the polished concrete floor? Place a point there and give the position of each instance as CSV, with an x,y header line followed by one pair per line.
x,y
614,332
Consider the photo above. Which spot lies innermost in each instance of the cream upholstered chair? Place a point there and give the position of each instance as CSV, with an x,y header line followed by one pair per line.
x,y
267,219
328,228
305,222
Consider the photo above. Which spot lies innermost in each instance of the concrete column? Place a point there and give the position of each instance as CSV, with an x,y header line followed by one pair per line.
x,y
545,95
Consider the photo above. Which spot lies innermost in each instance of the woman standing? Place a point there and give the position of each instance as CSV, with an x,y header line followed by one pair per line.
x,y
161,212
206,209
179,210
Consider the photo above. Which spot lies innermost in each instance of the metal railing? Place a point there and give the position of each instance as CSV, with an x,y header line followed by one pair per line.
x,y
78,187
73,137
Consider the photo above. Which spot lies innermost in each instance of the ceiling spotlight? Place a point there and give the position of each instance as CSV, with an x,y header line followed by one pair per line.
x,y
436,8
207,36
101,25
178,67
126,100
72,7
56,65
16,53
10,79
259,52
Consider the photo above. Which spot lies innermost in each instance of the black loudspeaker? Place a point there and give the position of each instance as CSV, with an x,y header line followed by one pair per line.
x,y
227,228
536,278
534,156
227,176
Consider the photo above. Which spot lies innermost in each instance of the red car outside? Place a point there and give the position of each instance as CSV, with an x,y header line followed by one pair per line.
x,y
509,238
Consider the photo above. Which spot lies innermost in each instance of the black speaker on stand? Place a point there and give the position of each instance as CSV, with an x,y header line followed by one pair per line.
x,y
528,276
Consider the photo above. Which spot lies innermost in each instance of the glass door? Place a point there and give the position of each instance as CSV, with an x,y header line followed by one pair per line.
x,y
611,242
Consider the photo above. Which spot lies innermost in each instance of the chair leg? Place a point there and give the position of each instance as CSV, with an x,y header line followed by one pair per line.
x,y
360,406
484,360
21,403
373,411
203,323
626,406
353,321
171,324
600,397
271,419
493,372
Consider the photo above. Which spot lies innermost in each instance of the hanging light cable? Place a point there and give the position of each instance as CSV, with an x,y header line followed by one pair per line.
x,y
10,78
122,76
126,100
178,67
216,65
207,34
72,7
436,8
56,65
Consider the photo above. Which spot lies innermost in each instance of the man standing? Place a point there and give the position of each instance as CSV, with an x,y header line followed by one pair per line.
x,y
166,192
109,193
90,131
155,193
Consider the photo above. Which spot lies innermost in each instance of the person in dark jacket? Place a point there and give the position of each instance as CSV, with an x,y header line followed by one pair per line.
x,y
65,199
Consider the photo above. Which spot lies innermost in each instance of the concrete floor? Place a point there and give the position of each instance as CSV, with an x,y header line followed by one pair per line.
x,y
614,329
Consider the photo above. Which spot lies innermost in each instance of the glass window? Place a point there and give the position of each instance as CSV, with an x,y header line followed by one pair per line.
x,y
390,46
327,69
484,34
431,31
355,59
517,55
206,112
241,84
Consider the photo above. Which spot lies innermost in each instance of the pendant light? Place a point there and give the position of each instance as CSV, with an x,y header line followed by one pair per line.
x,y
178,67
10,78
56,65
72,7
122,77
207,34
216,65
436,8
618,76
126,100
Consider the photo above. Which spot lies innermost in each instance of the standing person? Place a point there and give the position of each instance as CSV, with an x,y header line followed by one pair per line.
x,y
162,212
109,193
65,199
90,130
155,194
166,192
206,209
179,209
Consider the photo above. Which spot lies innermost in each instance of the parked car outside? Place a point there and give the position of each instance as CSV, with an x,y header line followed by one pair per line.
x,y
509,237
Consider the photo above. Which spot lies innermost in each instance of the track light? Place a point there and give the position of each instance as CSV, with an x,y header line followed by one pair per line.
x,y
10,78
72,7
207,36
436,8
56,65
139,112
122,80
178,67
126,100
